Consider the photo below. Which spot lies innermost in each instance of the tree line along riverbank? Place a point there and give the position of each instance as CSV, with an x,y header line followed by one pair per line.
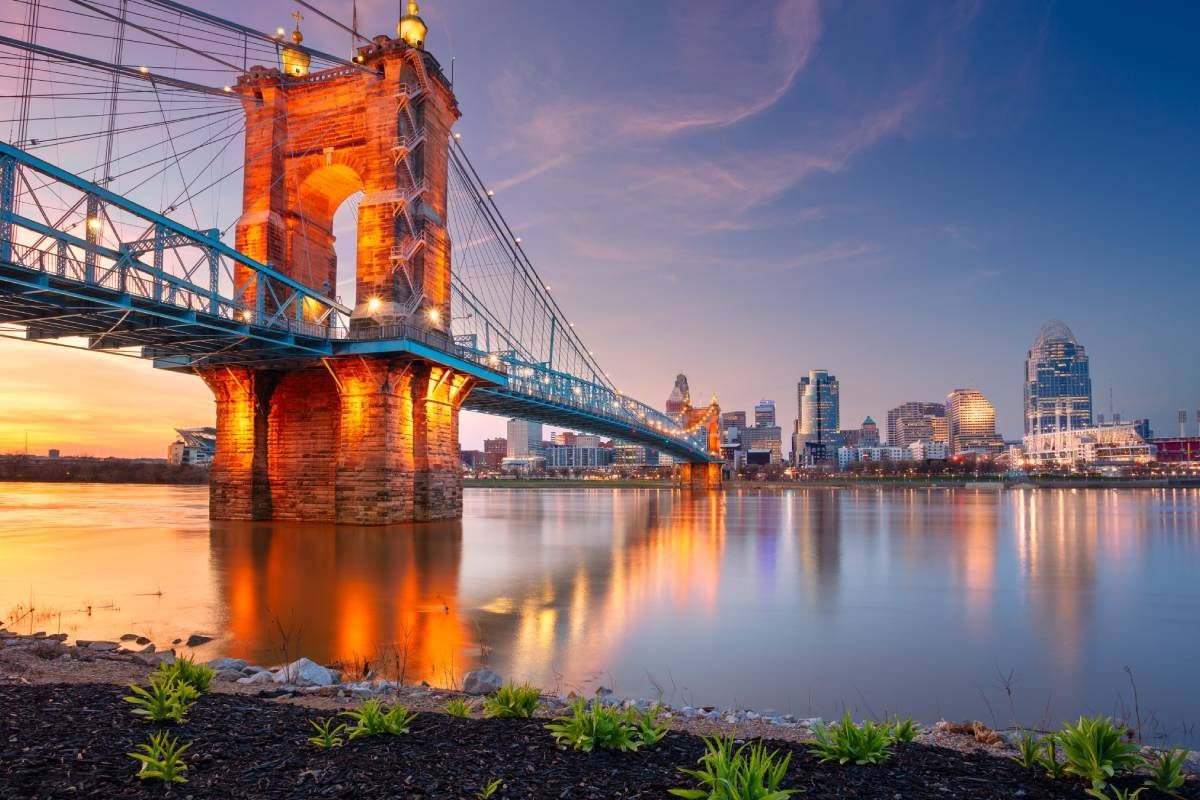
x,y
82,469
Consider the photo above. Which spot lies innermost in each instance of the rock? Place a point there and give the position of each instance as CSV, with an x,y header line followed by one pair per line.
x,y
603,691
228,675
58,637
142,640
162,658
197,639
257,679
254,669
176,641
305,672
751,715
147,650
481,681
223,663
103,647
129,637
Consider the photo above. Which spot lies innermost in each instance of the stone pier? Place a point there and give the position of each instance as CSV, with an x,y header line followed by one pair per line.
x,y
365,441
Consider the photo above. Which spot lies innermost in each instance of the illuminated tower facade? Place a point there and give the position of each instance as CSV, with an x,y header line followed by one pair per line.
x,y
1058,386
972,423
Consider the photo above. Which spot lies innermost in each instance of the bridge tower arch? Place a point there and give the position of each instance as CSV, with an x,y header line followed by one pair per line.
x,y
367,439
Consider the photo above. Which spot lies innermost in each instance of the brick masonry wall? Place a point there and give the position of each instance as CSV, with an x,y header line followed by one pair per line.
x,y
361,440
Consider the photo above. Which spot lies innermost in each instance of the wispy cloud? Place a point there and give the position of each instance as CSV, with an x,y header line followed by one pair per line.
x,y
560,127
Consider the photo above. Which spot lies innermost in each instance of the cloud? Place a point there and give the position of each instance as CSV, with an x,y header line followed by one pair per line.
x,y
561,128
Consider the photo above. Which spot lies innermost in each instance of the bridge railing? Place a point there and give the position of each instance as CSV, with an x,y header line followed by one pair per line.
x,y
67,228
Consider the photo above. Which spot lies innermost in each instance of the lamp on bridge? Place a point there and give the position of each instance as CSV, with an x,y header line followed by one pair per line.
x,y
411,27
295,62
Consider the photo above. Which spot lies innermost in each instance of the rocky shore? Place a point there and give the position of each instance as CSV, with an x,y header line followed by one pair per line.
x,y
65,732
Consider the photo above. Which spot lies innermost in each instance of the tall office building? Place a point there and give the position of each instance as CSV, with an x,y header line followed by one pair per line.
x,y
764,413
680,398
818,422
972,423
731,423
524,438
1058,388
915,421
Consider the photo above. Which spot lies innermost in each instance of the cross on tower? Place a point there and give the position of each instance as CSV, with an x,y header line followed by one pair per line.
x,y
296,15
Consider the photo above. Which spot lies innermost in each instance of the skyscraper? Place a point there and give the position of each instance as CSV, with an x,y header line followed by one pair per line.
x,y
680,397
524,438
1058,388
764,413
818,420
972,423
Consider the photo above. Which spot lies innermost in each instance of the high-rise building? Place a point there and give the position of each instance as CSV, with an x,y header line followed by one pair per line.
x,y
524,438
915,421
764,413
869,433
818,419
1058,387
680,398
972,423
731,422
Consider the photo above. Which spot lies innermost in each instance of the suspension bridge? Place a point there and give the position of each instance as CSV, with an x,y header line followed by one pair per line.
x,y
133,123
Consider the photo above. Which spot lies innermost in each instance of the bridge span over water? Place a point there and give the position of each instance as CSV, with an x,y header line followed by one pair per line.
x,y
325,410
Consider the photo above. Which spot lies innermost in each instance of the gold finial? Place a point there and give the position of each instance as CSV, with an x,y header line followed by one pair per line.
x,y
297,36
295,62
412,28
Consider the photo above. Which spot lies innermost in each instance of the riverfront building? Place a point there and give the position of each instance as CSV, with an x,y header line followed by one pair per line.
x,y
972,423
818,421
916,421
524,438
1058,386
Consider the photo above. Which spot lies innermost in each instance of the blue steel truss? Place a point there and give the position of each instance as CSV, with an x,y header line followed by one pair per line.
x,y
123,276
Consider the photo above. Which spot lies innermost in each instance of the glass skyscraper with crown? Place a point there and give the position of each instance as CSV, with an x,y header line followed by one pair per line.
x,y
1058,386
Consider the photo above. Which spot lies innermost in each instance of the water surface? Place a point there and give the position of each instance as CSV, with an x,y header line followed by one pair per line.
x,y
965,603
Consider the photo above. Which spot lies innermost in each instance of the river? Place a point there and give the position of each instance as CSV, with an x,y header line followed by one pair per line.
x,y
1005,606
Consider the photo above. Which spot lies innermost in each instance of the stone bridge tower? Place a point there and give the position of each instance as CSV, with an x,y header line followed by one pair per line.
x,y
367,440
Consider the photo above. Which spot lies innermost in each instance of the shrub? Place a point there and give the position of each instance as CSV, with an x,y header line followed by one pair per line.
x,y
868,743
1166,770
1095,752
373,718
1049,758
185,670
489,789
748,773
607,727
328,735
167,700
457,707
161,758
512,701
902,731
1028,750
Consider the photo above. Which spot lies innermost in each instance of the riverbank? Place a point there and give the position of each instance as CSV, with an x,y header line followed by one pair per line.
x,y
65,731
986,483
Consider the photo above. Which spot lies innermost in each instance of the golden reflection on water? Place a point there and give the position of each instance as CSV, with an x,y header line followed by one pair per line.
x,y
769,592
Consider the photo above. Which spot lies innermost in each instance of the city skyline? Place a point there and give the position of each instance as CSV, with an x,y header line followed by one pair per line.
x,y
986,168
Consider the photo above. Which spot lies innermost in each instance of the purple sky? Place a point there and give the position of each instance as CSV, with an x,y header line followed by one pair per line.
x,y
900,193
